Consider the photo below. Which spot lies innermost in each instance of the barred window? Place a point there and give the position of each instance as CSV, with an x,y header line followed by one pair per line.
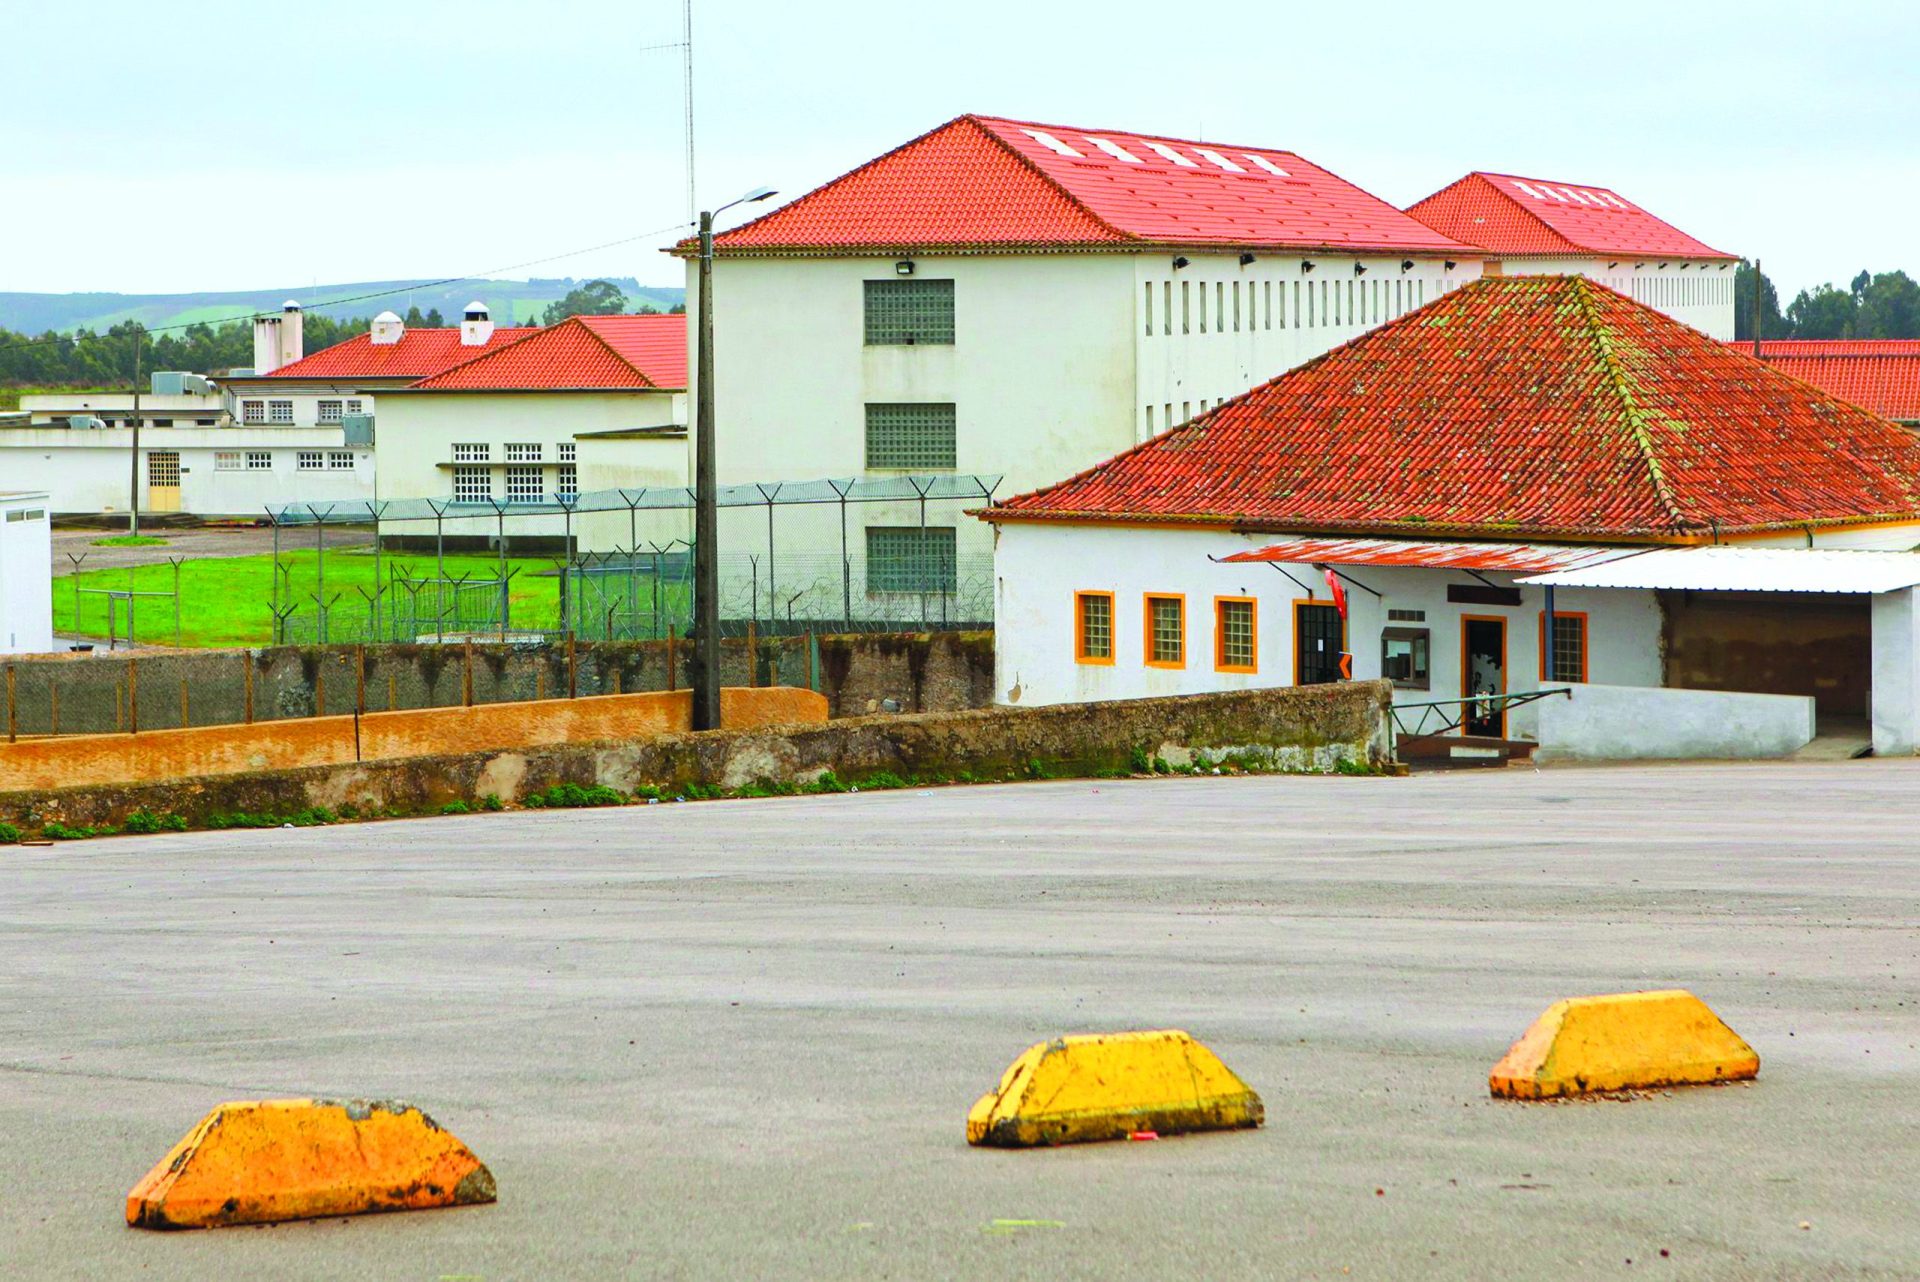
x,y
523,453
310,460
259,460
524,485
909,311
226,460
472,484
1093,627
353,405
329,411
910,436
1166,632
1233,631
253,411
567,482
471,453
567,452
280,411
1566,657
906,558
340,461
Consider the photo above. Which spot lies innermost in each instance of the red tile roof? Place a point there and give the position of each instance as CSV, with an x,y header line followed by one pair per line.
x,y
598,352
1503,214
983,183
1879,374
419,352
1519,406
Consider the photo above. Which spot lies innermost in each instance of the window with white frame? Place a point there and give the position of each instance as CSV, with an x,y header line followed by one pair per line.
x,y
472,484
567,452
353,405
523,485
523,453
259,460
227,461
471,453
329,411
340,460
253,411
911,436
279,411
907,558
566,482
310,460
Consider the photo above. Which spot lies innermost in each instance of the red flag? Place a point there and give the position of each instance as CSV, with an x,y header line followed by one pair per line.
x,y
1339,593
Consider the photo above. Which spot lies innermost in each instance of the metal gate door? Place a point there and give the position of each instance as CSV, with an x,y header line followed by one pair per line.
x,y
1319,635
163,481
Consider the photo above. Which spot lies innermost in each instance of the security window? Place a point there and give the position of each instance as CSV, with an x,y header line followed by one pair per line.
x,y
253,411
1566,658
329,411
340,461
472,484
566,483
524,485
471,453
523,453
226,460
914,437
1093,627
280,411
1166,640
567,452
1234,635
259,460
907,558
353,405
310,460
1403,657
909,311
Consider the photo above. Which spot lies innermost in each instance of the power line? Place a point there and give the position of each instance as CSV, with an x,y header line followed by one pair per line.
x,y
361,298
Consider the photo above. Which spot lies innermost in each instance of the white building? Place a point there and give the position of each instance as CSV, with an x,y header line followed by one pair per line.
x,y
1435,470
1531,227
592,403
1001,297
298,428
26,573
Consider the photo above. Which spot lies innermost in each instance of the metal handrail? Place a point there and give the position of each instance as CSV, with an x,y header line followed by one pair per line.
x,y
1479,705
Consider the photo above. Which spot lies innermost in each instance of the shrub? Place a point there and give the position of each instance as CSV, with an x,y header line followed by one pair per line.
x,y
492,802
572,795
60,832
1138,762
828,782
455,808
881,780
8,834
144,821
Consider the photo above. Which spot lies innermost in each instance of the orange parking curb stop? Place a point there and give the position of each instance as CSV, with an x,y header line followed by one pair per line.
x,y
261,1161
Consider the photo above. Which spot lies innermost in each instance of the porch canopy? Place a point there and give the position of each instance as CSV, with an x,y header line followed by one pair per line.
x,y
1744,569
1512,558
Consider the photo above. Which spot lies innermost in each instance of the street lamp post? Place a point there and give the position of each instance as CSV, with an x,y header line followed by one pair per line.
x,y
706,510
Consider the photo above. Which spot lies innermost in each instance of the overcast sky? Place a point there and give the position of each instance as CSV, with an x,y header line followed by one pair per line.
x,y
211,145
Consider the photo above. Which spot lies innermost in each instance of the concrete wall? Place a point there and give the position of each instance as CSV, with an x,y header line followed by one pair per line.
x,y
1316,730
285,745
85,469
1621,723
26,574
1039,567
1896,673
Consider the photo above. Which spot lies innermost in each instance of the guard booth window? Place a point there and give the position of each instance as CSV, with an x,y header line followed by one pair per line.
x,y
1404,657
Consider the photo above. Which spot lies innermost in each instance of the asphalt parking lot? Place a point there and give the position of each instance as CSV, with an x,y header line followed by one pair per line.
x,y
739,1039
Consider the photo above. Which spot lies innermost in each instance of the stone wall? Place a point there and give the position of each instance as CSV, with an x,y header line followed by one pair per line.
x,y
1314,728
860,673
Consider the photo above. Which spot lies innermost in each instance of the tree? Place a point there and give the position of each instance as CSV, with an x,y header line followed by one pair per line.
x,y
1889,307
595,298
1823,312
1772,324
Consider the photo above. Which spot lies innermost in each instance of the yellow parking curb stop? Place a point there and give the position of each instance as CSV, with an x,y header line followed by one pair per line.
x,y
1625,1041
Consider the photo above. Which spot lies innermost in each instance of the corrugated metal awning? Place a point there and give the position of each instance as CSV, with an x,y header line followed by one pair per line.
x,y
1513,558
1742,569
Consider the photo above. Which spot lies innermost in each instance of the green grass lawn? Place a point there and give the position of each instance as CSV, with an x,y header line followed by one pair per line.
x,y
128,541
226,601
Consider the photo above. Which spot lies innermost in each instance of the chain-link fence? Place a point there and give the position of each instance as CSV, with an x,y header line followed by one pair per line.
x,y
854,555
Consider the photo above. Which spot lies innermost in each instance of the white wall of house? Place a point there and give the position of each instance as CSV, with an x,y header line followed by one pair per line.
x,y
1698,292
1210,330
300,403
222,471
26,574
116,408
1039,567
450,444
1896,673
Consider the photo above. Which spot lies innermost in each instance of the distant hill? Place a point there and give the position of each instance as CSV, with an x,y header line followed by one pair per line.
x,y
513,302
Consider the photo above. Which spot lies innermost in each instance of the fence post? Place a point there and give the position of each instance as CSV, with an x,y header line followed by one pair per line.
x,y
573,670
813,663
185,719
673,676
246,670
466,676
320,687
10,709
753,647
359,680
133,695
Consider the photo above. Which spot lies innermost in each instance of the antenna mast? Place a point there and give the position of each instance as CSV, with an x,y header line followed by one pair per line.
x,y
687,43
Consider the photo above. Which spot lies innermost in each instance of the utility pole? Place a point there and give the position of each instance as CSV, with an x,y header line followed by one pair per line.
x,y
706,511
133,496
1757,279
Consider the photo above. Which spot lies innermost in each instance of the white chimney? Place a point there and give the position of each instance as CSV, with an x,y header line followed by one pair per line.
x,y
279,340
387,329
476,327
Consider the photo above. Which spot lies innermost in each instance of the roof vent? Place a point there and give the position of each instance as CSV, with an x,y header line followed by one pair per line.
x,y
1161,149
1214,157
476,326
388,329
1051,143
1115,150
